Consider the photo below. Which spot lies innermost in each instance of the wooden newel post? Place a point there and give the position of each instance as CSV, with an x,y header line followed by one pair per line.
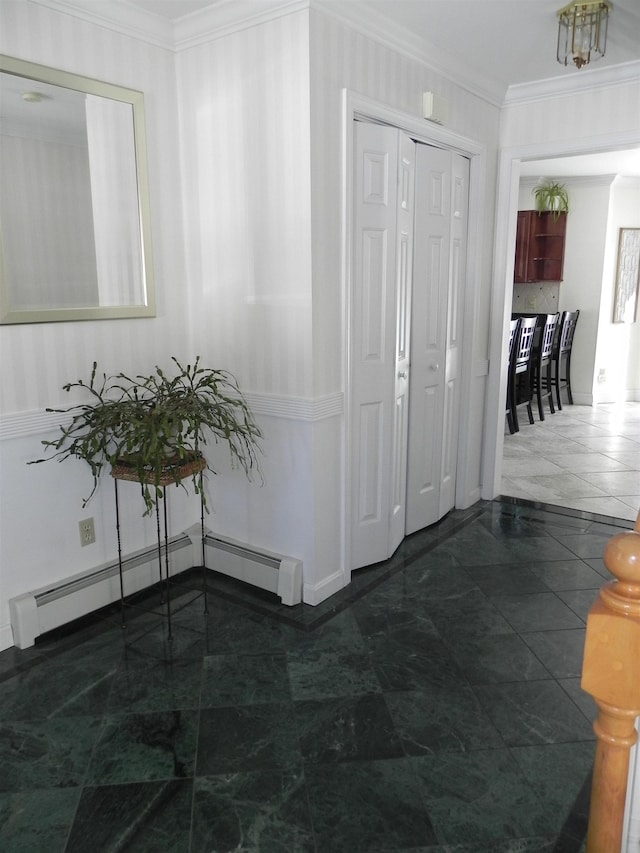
x,y
611,674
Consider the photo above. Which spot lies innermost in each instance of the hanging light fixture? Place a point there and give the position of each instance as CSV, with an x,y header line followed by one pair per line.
x,y
582,30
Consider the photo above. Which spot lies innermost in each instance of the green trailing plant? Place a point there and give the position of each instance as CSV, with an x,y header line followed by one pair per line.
x,y
156,425
551,196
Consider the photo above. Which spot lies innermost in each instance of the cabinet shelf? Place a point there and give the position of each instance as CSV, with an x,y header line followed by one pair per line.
x,y
540,241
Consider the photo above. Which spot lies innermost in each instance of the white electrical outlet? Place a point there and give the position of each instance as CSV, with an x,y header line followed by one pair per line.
x,y
87,531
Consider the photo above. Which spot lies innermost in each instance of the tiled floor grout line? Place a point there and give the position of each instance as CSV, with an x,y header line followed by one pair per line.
x,y
614,425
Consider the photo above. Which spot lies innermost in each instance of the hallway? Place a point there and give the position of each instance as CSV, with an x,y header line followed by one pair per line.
x,y
583,457
432,706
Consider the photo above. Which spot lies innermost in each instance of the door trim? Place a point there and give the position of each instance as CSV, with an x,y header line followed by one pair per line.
x,y
502,291
356,106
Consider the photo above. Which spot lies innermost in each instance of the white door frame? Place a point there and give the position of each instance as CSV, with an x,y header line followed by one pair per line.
x,y
502,292
359,106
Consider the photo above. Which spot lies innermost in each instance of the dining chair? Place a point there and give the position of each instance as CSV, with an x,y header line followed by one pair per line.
x,y
523,389
560,374
546,337
514,327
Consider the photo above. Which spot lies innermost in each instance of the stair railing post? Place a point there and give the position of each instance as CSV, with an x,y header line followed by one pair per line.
x,y
611,674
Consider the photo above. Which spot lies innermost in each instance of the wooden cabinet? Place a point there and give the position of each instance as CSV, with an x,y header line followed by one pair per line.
x,y
540,239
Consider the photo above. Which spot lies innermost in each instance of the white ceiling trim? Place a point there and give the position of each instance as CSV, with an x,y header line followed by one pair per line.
x,y
371,23
123,18
221,20
529,182
188,31
600,144
224,18
579,83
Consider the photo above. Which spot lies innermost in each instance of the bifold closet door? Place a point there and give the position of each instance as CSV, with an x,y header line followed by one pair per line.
x,y
380,341
439,269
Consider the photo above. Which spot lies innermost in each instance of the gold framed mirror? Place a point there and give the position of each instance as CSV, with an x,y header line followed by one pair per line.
x,y
75,234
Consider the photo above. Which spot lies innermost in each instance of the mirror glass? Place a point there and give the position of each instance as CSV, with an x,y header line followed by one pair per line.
x,y
74,207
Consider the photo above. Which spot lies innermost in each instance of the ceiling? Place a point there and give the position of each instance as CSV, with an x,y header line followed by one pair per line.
x,y
518,46
517,42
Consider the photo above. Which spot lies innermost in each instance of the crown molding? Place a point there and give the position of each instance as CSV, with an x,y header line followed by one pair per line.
x,y
215,21
373,24
572,180
576,84
230,16
311,410
631,182
118,16
227,16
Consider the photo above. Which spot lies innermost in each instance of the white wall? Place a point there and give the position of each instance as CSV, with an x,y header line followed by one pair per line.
x,y
618,344
244,121
250,278
595,112
583,272
595,109
40,506
261,121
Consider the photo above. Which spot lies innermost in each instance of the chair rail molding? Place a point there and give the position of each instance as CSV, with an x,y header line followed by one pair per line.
x,y
306,409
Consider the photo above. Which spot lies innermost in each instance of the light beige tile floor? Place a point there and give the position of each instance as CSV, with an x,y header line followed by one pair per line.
x,y
584,457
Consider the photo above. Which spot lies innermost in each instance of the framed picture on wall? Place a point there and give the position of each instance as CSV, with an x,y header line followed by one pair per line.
x,y
625,301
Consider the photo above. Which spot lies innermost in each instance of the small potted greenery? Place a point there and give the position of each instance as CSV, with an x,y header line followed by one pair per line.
x,y
151,429
551,196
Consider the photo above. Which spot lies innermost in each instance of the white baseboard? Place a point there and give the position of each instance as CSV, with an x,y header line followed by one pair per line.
x,y
628,396
6,637
317,593
41,610
265,569
578,399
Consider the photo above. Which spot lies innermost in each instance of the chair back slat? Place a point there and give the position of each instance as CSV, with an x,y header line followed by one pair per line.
x,y
513,329
547,336
525,341
569,323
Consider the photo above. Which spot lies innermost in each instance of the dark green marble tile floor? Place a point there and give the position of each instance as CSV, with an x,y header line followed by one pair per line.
x,y
433,706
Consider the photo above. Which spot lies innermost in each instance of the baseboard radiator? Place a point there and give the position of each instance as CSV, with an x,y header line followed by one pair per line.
x,y
272,572
42,610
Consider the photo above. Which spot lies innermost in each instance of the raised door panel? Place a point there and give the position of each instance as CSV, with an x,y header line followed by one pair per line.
x,y
429,335
403,288
457,276
373,351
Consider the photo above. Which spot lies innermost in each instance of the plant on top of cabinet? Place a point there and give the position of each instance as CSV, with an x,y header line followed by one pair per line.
x,y
551,196
155,426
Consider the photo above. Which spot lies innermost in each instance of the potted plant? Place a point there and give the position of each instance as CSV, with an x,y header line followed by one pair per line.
x,y
551,196
151,429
